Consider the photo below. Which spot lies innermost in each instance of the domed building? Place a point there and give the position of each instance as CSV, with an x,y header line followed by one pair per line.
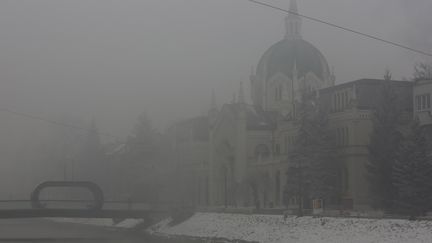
x,y
246,160
239,154
289,67
248,144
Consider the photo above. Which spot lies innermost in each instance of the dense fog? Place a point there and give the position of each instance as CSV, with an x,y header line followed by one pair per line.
x,y
101,64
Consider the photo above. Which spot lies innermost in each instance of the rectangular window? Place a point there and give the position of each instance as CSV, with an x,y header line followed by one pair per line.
x,y
338,102
422,102
341,104
346,99
334,102
427,101
418,103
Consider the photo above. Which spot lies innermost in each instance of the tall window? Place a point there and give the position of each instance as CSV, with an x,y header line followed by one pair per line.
x,y
346,98
340,100
422,102
277,187
342,136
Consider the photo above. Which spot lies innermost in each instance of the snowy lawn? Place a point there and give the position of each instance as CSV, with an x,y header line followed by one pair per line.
x,y
273,228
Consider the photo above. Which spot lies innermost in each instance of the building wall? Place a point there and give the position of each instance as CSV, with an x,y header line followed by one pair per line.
x,y
351,108
422,93
215,164
189,150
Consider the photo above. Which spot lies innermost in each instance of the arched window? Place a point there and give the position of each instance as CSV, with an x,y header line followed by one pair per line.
x,y
262,151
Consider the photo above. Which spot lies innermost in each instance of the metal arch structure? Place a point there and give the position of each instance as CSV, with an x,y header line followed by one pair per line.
x,y
90,186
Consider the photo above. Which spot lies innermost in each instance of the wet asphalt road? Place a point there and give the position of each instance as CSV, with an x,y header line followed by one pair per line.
x,y
43,230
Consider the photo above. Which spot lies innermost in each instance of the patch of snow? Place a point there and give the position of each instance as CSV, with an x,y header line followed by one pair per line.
x,y
274,229
129,223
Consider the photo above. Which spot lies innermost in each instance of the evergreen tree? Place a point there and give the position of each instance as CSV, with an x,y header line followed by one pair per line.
x,y
383,147
412,174
384,144
314,171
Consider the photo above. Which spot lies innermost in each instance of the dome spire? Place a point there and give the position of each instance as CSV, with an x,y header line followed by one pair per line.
x,y
293,6
241,98
293,22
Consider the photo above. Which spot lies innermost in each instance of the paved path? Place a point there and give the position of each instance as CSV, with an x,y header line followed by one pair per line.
x,y
41,230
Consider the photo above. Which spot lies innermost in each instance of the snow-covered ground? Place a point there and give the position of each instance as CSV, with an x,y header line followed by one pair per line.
x,y
128,223
273,228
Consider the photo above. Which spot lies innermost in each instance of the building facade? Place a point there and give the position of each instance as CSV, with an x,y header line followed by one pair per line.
x,y
245,154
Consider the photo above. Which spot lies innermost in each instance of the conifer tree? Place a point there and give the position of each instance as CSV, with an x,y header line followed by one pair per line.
x,y
314,170
383,146
412,174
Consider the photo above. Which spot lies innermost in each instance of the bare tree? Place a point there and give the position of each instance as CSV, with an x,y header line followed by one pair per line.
x,y
387,74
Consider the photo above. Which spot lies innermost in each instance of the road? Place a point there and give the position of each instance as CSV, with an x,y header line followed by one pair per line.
x,y
43,230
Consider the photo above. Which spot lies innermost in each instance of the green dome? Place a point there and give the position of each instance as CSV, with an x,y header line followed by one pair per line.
x,y
281,58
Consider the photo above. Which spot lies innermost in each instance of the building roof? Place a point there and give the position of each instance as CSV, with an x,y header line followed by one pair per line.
x,y
282,56
368,93
365,82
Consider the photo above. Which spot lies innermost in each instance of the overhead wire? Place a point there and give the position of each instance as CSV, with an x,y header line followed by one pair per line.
x,y
257,3
393,43
63,124
58,123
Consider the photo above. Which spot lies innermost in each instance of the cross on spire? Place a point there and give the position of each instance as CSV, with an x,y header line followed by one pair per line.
x,y
293,6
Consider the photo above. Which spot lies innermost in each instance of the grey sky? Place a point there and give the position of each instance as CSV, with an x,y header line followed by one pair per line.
x,y
111,60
